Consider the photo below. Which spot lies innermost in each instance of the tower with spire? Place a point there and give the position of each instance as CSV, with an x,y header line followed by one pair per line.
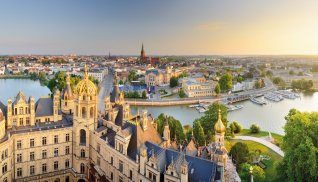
x,y
142,53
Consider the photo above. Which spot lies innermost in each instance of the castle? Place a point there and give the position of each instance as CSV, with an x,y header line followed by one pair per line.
x,y
66,139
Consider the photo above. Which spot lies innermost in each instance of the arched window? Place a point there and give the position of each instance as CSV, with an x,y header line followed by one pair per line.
x,y
82,168
57,180
84,112
82,137
91,112
82,153
4,168
65,97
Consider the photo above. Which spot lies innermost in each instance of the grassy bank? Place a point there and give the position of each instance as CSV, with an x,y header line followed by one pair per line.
x,y
270,171
14,77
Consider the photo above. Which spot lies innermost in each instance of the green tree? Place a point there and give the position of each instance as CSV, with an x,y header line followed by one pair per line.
x,y
132,76
269,73
300,144
175,127
183,74
226,82
292,72
209,119
258,173
144,94
254,128
198,133
121,82
173,81
181,93
217,89
235,127
239,153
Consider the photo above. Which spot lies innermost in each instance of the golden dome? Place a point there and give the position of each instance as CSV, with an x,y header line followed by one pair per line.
x,y
86,86
219,126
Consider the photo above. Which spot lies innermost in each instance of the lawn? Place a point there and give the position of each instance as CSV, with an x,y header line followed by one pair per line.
x,y
270,170
247,132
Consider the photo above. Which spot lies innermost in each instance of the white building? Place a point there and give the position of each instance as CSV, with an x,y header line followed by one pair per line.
x,y
245,85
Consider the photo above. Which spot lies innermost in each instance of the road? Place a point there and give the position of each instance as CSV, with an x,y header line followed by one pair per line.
x,y
262,141
106,87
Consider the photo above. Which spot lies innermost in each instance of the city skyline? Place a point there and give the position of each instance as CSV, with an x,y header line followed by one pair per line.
x,y
165,27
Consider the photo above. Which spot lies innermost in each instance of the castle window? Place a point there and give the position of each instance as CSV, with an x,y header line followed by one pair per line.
x,y
67,163
44,168
43,140
84,112
44,154
56,165
98,161
19,158
15,111
91,112
56,152
31,156
27,120
82,153
26,110
19,144
56,139
121,166
67,150
21,122
82,137
4,168
84,97
82,168
65,103
32,170
98,147
67,137
32,142
19,172
21,110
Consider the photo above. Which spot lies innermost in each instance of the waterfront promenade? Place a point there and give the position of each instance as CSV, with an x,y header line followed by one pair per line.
x,y
186,101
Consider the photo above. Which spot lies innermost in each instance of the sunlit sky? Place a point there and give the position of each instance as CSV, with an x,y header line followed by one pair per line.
x,y
167,27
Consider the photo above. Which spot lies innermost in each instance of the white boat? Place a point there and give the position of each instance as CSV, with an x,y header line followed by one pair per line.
x,y
273,97
258,101
233,107
193,106
287,94
200,109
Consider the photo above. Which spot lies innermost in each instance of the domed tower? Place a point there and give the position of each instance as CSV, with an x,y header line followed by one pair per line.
x,y
219,129
84,121
166,134
2,125
68,97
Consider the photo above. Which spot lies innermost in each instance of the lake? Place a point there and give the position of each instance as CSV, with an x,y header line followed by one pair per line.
x,y
11,87
269,117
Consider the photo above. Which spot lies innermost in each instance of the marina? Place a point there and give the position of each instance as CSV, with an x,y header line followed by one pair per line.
x,y
258,101
273,97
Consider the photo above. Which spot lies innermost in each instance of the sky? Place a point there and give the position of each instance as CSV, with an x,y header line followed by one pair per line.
x,y
166,27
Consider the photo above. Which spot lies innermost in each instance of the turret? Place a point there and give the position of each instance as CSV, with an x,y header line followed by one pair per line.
x,y
143,159
144,120
184,170
56,105
32,110
166,133
67,104
2,125
219,130
9,113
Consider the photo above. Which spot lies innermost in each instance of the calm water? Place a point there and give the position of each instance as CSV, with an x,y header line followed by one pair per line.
x,y
11,87
269,117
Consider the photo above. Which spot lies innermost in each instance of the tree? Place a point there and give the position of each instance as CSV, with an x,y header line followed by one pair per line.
x,y
175,127
209,119
258,172
300,144
254,128
132,76
183,74
198,133
239,153
144,94
121,82
226,82
269,73
235,127
173,81
181,93
292,72
217,89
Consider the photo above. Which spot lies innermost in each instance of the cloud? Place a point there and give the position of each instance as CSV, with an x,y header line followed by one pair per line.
x,y
210,26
